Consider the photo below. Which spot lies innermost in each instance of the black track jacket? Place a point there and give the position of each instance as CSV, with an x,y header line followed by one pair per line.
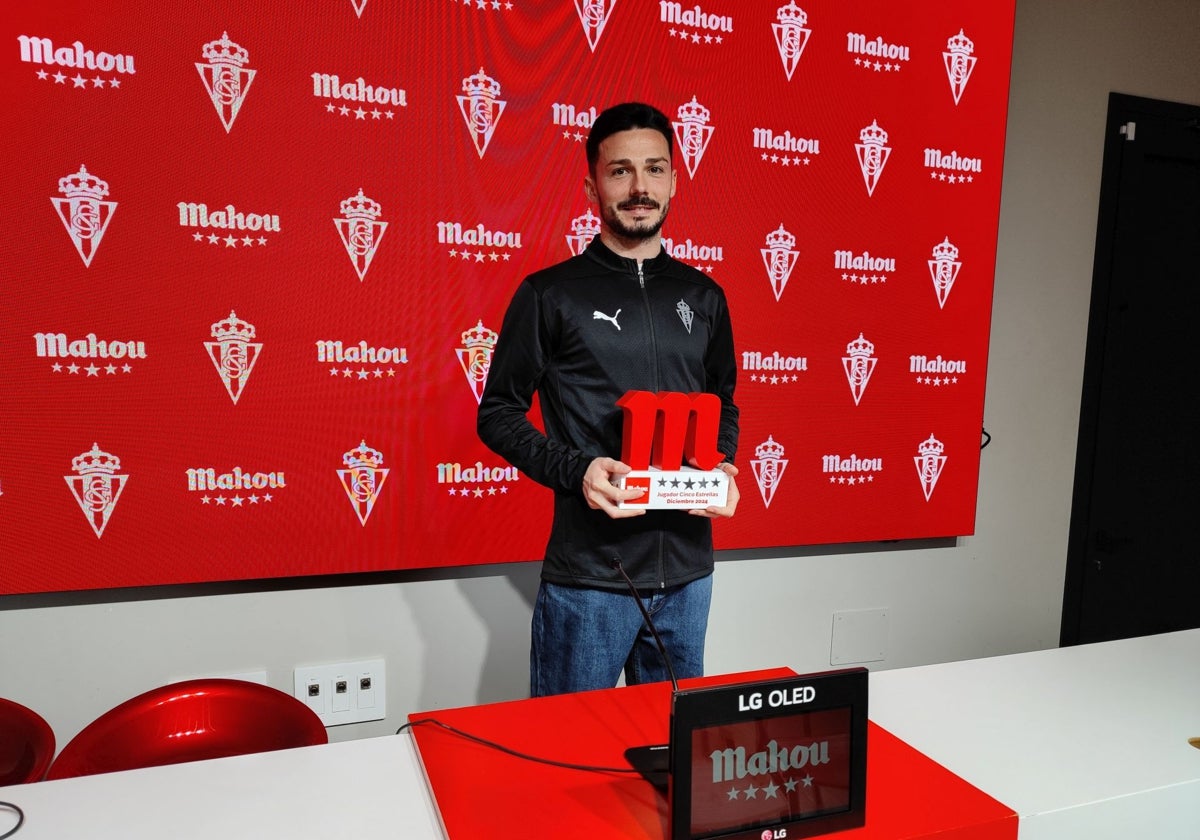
x,y
581,333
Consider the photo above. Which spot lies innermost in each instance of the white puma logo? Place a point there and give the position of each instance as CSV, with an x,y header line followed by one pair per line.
x,y
598,314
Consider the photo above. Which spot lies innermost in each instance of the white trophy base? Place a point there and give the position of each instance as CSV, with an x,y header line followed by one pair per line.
x,y
682,489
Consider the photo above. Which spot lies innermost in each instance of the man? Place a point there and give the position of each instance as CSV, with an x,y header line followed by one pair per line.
x,y
624,315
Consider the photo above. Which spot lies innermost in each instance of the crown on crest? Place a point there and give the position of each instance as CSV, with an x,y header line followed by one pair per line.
x,y
586,225
480,336
83,185
363,456
95,461
232,329
481,84
960,43
792,15
361,207
874,135
933,446
860,347
225,51
780,239
694,112
944,251
769,449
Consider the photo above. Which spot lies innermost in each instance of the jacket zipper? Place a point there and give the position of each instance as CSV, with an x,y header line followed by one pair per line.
x,y
662,572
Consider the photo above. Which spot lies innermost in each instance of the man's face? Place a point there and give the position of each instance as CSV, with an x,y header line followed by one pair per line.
x,y
632,184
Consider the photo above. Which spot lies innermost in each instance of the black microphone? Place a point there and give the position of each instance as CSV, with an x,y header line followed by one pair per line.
x,y
637,599
653,761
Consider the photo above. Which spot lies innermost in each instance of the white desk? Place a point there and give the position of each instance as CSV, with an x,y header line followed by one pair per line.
x,y
355,790
1084,743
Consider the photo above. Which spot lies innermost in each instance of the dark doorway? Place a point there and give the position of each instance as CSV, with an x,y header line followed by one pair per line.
x,y
1133,560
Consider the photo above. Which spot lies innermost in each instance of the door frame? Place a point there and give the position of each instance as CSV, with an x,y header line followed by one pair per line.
x,y
1122,109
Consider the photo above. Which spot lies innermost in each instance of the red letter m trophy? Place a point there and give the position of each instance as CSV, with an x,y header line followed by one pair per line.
x,y
663,430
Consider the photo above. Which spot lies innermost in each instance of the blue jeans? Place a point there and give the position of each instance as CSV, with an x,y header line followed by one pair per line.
x,y
582,638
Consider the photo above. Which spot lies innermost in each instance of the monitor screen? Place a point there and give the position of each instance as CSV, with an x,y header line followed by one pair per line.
x,y
752,760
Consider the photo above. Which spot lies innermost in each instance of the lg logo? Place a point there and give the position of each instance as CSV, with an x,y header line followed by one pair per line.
x,y
777,834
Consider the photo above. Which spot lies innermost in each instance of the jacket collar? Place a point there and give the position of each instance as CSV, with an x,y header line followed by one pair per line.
x,y
608,258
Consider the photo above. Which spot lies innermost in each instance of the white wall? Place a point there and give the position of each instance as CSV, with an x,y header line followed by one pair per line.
x,y
457,638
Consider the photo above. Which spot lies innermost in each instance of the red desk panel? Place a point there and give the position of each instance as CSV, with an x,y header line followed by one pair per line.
x,y
483,792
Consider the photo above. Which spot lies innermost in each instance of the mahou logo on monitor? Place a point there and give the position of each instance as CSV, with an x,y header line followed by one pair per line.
x,y
98,485
103,69
82,212
363,478
233,353
226,77
481,108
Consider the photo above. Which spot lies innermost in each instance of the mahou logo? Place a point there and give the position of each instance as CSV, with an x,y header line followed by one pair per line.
x,y
960,63
773,368
371,362
875,54
584,229
363,479
226,77
851,471
951,167
82,212
693,133
785,149
478,243
217,227
58,346
98,485
78,58
779,258
791,35
475,356
233,354
475,481
256,486
359,97
361,230
873,153
481,108
593,15
859,364
694,25
935,371
863,267
575,122
930,461
768,465
699,255
943,269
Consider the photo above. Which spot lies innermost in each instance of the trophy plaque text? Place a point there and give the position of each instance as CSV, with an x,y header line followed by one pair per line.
x,y
663,430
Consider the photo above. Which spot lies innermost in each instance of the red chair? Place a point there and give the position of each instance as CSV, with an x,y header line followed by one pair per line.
x,y
26,744
190,721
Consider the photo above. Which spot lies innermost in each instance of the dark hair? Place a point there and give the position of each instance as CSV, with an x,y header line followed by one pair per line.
x,y
625,117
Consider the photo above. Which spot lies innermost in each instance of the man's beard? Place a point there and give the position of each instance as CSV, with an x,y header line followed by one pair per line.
x,y
642,230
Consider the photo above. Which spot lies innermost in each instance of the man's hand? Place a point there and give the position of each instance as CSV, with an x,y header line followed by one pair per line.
x,y
601,493
731,499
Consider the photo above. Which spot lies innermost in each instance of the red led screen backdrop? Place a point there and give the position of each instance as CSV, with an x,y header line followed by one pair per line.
x,y
256,252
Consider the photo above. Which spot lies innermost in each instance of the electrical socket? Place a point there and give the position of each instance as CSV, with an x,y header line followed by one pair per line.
x,y
346,692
